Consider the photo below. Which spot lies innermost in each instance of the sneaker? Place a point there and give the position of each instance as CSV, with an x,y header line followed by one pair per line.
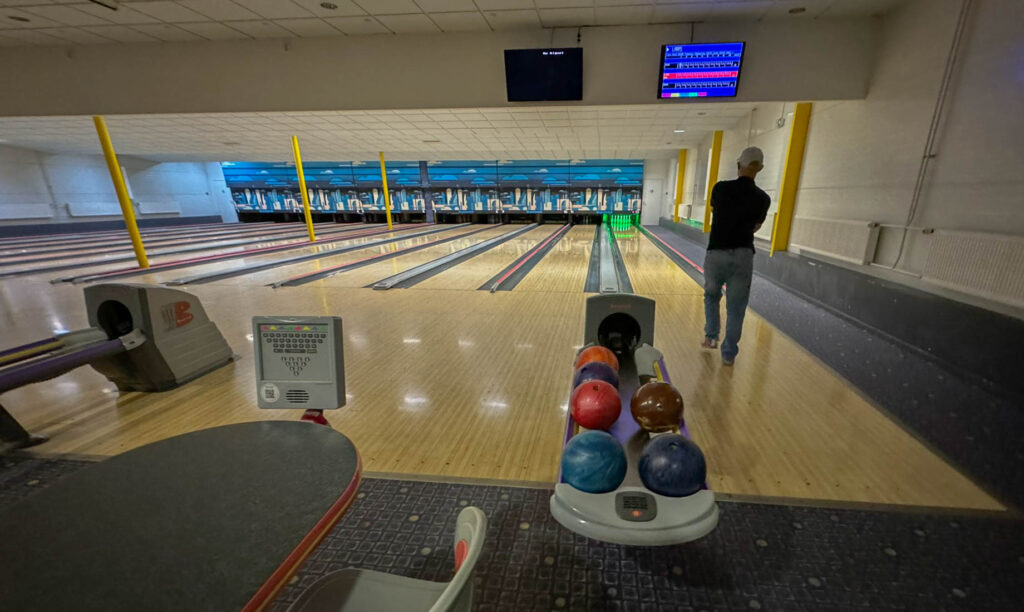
x,y
728,360
709,343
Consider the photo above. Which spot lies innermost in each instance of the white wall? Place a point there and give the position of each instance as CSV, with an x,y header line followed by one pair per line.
x,y
863,156
802,59
38,187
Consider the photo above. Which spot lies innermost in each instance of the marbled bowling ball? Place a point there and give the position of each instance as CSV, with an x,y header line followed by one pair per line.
x,y
657,406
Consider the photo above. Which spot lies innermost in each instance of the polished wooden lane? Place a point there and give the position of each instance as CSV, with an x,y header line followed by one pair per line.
x,y
564,268
361,277
470,275
272,275
241,263
472,384
162,243
101,264
650,271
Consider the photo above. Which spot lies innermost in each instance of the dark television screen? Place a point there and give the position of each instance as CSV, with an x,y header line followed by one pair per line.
x,y
533,75
700,70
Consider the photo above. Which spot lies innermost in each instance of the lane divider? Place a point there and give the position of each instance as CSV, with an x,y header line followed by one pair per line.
x,y
184,263
302,279
529,255
661,243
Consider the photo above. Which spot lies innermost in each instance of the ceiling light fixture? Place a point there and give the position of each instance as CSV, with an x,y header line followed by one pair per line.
x,y
679,131
328,5
797,10
110,4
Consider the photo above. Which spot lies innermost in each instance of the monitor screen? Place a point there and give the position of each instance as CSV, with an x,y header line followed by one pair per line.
x,y
533,75
705,70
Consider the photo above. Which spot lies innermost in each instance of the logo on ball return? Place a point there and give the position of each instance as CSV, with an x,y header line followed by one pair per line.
x,y
177,314
270,393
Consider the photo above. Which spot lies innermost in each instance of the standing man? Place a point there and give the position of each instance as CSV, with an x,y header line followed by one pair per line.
x,y
738,209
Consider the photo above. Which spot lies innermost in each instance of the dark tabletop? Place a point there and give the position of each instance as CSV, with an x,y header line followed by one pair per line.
x,y
196,522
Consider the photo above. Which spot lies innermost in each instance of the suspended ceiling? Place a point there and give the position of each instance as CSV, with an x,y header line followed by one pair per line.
x,y
638,131
75,22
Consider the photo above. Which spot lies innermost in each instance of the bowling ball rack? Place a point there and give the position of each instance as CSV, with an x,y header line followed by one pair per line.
x,y
633,515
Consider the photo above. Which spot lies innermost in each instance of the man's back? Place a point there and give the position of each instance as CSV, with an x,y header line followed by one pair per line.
x,y
738,206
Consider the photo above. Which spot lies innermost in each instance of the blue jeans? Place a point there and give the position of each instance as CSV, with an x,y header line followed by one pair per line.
x,y
733,268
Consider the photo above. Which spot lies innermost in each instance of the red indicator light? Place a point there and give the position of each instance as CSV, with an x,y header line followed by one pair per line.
x,y
637,513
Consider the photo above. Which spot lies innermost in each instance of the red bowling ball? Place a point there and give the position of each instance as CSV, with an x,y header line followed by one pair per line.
x,y
595,404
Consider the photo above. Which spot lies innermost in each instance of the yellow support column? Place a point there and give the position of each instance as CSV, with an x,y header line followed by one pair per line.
x,y
302,188
716,156
387,194
791,176
122,191
680,174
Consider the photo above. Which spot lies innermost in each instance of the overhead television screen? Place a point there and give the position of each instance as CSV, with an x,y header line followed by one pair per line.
x,y
534,75
703,70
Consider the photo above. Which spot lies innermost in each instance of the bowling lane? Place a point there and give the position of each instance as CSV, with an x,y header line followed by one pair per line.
x,y
112,250
121,236
650,270
122,244
469,275
272,275
564,268
241,263
374,272
104,264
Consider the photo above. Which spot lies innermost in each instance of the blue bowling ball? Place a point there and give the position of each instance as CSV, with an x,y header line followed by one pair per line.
x,y
594,462
595,370
672,465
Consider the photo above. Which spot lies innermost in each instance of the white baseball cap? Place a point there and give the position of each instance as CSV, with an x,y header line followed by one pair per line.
x,y
749,156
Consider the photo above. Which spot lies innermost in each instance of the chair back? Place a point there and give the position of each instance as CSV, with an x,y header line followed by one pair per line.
x,y
470,530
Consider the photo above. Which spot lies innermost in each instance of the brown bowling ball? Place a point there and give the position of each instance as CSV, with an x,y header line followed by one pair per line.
x,y
657,406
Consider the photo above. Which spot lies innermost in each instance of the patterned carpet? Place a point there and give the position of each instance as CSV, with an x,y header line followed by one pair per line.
x,y
761,557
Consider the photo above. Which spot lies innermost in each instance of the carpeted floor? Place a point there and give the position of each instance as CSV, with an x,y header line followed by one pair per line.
x,y
761,557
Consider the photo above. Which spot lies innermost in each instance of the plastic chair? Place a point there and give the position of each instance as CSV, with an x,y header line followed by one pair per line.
x,y
371,591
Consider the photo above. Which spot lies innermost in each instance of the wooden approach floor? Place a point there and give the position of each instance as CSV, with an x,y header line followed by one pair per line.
x,y
448,381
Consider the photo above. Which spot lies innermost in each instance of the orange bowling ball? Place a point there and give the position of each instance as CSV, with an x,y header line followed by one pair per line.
x,y
597,353
657,406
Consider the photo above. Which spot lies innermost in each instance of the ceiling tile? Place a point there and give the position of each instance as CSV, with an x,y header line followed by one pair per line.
x,y
345,8
748,9
166,32
123,15
220,10
623,15
16,19
679,12
389,7
212,30
408,24
501,5
460,22
75,35
120,33
308,27
167,11
357,25
512,20
67,15
546,4
260,29
275,9
446,6
850,8
566,17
